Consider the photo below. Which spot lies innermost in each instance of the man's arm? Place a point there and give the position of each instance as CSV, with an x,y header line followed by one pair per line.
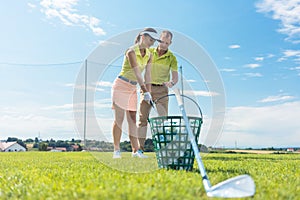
x,y
174,68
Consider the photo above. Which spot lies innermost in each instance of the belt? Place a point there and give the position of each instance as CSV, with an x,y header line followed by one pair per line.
x,y
127,80
157,84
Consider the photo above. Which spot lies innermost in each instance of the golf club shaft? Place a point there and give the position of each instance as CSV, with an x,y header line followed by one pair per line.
x,y
181,76
205,179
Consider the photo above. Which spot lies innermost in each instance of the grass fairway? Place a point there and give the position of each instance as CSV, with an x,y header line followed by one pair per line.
x,y
84,175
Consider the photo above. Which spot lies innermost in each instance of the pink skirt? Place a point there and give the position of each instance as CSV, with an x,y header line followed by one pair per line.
x,y
124,95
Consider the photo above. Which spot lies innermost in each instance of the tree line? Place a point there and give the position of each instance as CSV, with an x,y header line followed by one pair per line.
x,y
45,145
91,145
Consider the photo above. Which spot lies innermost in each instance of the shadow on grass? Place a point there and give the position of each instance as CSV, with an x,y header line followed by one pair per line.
x,y
241,157
224,171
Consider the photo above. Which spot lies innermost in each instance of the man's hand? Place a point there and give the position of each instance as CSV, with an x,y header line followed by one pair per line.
x,y
169,84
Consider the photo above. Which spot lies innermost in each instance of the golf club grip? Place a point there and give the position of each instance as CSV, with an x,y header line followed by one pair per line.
x,y
151,103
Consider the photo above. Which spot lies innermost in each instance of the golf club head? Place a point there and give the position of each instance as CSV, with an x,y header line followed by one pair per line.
x,y
237,187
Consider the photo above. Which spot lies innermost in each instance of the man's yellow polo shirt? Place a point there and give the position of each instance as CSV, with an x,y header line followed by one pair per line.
x,y
127,70
162,66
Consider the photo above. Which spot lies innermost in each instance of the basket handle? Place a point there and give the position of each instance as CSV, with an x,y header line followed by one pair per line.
x,y
180,100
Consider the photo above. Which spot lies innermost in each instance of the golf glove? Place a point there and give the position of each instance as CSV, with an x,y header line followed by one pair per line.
x,y
147,97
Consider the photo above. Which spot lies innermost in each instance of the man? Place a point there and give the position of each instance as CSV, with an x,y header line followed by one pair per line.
x,y
164,63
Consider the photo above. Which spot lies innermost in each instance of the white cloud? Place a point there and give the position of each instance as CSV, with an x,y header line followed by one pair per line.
x,y
252,65
191,81
267,126
234,46
69,85
64,10
276,98
293,54
106,43
82,87
259,58
104,83
287,12
27,122
227,70
200,93
281,59
56,107
295,68
106,104
253,74
93,24
30,5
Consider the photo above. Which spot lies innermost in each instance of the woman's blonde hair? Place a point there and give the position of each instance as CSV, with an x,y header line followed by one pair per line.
x,y
138,37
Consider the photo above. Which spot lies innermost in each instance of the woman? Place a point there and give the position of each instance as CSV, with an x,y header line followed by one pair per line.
x,y
124,91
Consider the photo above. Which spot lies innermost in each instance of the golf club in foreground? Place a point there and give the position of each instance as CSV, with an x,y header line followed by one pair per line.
x,y
237,187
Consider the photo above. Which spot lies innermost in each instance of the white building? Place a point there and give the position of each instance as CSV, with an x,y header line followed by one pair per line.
x,y
11,147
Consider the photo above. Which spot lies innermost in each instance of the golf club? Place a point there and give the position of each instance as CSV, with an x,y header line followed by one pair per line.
x,y
152,104
237,187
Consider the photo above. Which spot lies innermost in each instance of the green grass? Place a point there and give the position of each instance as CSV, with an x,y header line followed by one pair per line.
x,y
84,175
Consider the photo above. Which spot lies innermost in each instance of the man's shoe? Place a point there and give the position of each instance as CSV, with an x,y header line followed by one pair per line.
x,y
139,154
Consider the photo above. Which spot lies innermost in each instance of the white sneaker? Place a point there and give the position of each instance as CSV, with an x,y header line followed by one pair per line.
x,y
139,154
117,154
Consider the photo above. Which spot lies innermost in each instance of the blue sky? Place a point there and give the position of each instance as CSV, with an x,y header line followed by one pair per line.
x,y
254,45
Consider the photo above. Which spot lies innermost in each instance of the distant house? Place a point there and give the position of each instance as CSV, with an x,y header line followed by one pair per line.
x,y
11,147
59,149
74,147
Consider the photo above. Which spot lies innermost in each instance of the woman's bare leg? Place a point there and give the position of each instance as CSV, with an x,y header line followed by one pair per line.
x,y
117,126
132,128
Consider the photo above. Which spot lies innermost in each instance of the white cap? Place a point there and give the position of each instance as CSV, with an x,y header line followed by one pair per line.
x,y
153,35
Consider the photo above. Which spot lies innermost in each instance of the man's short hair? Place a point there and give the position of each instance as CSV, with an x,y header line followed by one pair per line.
x,y
168,33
